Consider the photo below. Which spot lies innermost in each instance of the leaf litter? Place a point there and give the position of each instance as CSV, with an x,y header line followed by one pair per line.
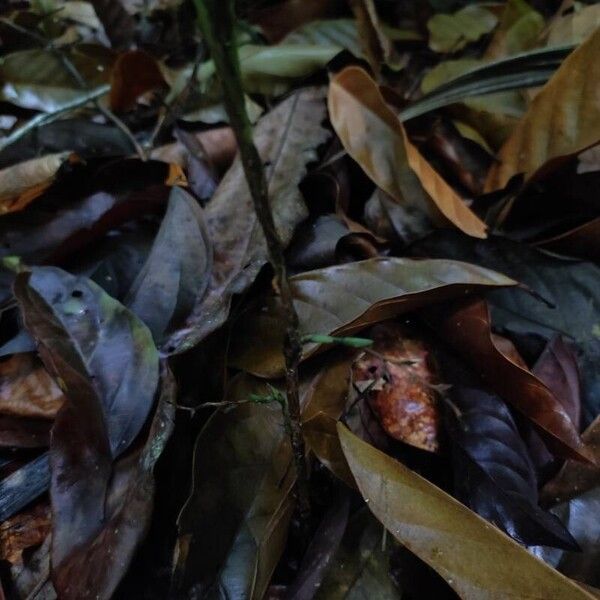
x,y
431,170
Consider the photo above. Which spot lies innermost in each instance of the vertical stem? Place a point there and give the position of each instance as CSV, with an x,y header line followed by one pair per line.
x,y
217,22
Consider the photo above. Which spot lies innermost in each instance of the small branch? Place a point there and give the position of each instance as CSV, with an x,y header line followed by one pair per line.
x,y
45,118
216,19
80,80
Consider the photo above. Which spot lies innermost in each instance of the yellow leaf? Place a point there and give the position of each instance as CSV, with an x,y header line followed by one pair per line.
x,y
374,136
563,119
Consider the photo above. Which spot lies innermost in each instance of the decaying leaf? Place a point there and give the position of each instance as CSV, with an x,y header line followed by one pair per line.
x,y
373,135
107,364
344,299
563,118
397,378
477,560
23,531
466,327
286,138
26,388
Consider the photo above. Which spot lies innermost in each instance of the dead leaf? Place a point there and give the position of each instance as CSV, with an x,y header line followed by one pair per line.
x,y
24,182
344,299
466,327
26,388
475,558
286,138
24,530
397,378
563,119
374,136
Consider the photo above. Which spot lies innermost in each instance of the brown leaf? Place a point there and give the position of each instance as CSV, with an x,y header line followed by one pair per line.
x,y
134,74
581,242
374,136
563,119
286,138
24,530
24,182
17,432
476,559
26,388
398,380
465,325
344,299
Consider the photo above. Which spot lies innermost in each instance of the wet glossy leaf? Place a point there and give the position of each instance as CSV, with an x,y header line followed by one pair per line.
x,y
449,33
286,139
373,135
343,299
177,270
493,473
476,559
562,119
37,79
580,514
86,338
466,327
96,568
571,286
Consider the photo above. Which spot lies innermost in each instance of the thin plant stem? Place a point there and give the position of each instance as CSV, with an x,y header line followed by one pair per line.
x,y
216,19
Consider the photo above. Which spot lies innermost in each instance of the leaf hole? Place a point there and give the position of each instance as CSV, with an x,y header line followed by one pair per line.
x,y
77,293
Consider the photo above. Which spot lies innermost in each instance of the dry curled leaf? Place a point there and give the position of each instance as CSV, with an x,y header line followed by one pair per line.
x,y
397,378
374,136
24,530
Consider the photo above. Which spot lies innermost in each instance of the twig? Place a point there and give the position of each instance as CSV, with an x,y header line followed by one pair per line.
x,y
80,80
216,19
45,118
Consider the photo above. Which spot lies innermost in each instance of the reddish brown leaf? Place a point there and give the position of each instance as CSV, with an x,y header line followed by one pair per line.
x,y
398,381
26,388
466,326
16,432
24,530
133,74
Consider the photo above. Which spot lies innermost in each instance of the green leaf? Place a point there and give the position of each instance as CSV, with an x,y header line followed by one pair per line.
x,y
272,70
519,29
449,33
328,32
529,69
475,558
38,79
343,299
